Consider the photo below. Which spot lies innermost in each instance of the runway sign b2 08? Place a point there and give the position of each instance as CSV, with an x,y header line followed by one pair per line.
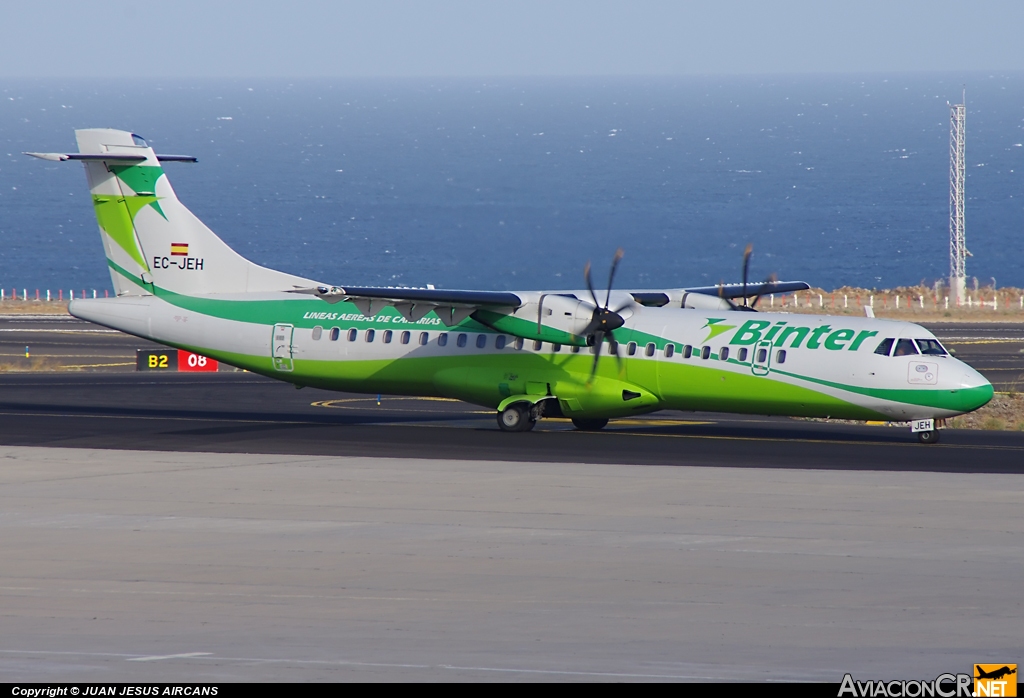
x,y
172,360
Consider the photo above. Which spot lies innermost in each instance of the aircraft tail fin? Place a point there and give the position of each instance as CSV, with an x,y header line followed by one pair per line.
x,y
152,241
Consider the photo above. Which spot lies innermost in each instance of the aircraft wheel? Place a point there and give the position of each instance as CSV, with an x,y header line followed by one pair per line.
x,y
590,424
515,418
928,437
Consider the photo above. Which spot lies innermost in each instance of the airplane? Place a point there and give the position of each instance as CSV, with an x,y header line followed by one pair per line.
x,y
994,674
527,355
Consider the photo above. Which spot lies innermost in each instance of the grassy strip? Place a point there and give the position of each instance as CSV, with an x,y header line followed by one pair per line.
x,y
33,307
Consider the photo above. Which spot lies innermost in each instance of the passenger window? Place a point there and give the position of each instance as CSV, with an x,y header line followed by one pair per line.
x,y
481,341
537,345
424,338
461,340
556,347
369,335
930,346
762,355
743,354
613,346
335,333
575,349
649,351
519,343
317,333
687,351
387,336
705,353
885,347
670,349
631,348
404,337
905,347
352,334
499,342
780,356
723,354
442,339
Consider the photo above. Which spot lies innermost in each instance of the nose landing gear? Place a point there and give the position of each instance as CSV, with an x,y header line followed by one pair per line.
x,y
927,430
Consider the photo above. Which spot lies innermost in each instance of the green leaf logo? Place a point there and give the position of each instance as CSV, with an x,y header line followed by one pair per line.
x,y
715,329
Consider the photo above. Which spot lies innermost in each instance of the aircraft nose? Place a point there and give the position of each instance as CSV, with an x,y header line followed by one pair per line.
x,y
975,390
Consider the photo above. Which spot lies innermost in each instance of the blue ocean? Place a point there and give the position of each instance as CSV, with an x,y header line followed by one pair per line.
x,y
514,183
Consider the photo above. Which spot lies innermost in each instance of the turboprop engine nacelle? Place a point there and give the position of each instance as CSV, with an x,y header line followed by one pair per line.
x,y
702,301
559,319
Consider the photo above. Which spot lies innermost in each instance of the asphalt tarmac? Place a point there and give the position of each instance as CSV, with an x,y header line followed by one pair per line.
x,y
244,413
152,567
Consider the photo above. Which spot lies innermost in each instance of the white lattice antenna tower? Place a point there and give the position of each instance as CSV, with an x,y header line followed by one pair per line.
x,y
957,244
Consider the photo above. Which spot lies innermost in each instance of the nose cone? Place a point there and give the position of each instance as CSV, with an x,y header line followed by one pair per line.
x,y
975,390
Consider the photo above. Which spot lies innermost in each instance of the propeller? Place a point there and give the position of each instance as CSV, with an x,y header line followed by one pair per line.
x,y
604,320
747,305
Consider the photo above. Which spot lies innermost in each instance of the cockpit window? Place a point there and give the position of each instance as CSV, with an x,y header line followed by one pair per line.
x,y
885,347
905,347
930,346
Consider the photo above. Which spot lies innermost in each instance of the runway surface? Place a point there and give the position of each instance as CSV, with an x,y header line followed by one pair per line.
x,y
143,566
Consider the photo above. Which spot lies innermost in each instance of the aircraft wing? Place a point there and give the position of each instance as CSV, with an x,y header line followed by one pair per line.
x,y
676,297
452,306
763,288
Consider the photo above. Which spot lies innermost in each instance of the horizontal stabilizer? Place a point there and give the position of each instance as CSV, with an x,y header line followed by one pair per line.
x,y
109,157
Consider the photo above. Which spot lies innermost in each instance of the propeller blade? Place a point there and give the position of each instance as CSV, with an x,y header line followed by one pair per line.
x,y
619,254
746,267
772,278
613,347
598,341
590,285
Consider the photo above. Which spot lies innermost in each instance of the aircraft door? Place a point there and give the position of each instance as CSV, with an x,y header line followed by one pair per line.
x,y
761,361
281,347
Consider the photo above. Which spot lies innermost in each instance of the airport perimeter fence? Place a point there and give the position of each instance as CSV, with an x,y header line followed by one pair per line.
x,y
833,301
47,295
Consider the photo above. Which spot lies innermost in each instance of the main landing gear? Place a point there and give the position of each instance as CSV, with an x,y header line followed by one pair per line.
x,y
589,424
522,416
517,417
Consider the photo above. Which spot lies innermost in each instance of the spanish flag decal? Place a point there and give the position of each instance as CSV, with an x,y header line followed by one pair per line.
x,y
179,249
